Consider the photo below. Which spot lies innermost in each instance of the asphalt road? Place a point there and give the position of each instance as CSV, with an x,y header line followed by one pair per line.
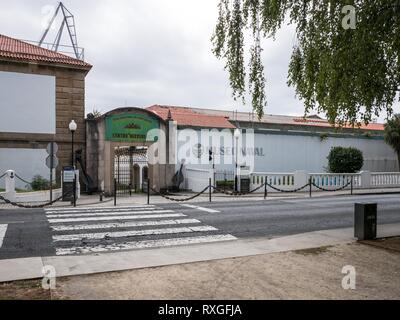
x,y
30,233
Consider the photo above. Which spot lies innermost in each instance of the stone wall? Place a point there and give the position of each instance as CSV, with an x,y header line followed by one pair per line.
x,y
70,105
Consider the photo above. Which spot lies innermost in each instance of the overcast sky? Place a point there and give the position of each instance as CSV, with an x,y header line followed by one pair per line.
x,y
147,52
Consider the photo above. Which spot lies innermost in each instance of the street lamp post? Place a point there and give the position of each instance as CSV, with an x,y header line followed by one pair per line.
x,y
72,127
237,136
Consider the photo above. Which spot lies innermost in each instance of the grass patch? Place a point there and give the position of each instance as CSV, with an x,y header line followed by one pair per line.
x,y
24,290
313,251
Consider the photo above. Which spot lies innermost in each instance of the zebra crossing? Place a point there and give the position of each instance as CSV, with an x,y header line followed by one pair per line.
x,y
106,229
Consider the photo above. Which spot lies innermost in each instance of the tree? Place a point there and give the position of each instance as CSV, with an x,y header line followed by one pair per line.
x,y
392,134
345,160
345,62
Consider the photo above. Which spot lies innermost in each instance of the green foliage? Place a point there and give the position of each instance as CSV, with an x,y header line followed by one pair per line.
x,y
392,134
228,184
39,183
96,113
350,75
345,160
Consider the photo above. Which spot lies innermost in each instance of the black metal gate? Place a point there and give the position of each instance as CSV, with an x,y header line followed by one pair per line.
x,y
130,165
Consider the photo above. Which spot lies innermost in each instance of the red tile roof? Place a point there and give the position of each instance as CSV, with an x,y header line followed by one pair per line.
x,y
189,117
22,51
324,123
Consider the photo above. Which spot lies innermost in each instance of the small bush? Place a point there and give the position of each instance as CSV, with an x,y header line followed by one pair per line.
x,y
40,183
345,160
228,184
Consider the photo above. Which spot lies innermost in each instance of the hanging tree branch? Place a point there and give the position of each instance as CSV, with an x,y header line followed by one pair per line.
x,y
350,75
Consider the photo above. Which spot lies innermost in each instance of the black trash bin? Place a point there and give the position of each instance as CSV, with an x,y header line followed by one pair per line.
x,y
365,221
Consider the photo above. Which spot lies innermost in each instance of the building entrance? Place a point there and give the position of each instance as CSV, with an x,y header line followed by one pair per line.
x,y
121,149
131,169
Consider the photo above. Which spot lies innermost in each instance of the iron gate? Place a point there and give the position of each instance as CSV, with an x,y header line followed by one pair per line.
x,y
131,169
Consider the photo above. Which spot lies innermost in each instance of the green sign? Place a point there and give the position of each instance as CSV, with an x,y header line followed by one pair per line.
x,y
130,127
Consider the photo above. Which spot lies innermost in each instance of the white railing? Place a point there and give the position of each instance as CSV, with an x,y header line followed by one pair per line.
x,y
333,181
284,181
328,181
385,180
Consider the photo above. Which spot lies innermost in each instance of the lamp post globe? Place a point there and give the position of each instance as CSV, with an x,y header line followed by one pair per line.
x,y
237,133
73,126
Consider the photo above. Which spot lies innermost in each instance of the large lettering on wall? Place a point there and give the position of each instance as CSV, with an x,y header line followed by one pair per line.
x,y
129,127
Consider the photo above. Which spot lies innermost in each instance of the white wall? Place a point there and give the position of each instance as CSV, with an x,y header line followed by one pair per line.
x,y
25,162
197,179
27,103
289,153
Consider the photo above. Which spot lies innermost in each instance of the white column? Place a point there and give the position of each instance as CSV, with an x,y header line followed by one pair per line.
x,y
10,185
140,176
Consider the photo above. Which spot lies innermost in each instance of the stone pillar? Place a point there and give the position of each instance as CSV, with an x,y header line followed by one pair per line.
x,y
301,178
10,186
365,179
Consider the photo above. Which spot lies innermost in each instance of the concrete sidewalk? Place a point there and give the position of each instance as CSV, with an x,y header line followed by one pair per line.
x,y
31,268
141,199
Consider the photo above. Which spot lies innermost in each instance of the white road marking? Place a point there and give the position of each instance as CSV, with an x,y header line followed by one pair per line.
x,y
100,210
3,230
121,234
144,244
97,214
97,208
123,225
200,208
132,217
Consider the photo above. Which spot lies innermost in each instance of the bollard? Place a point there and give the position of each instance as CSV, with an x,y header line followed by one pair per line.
x,y
74,192
351,185
209,189
310,183
115,192
148,191
10,185
266,188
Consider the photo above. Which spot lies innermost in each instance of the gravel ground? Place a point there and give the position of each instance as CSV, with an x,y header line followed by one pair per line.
x,y
305,274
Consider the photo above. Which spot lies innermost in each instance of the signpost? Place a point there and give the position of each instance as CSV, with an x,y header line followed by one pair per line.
x,y
52,163
68,181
